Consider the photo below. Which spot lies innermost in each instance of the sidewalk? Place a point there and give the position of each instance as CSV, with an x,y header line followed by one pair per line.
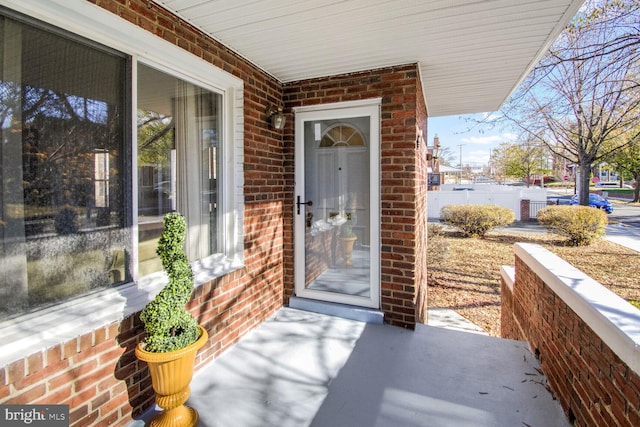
x,y
624,235
450,319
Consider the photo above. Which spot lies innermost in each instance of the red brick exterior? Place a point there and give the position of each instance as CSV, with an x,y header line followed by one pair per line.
x,y
594,387
321,252
421,188
402,171
97,373
525,210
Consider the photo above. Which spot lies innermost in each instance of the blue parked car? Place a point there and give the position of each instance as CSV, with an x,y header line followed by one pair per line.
x,y
595,201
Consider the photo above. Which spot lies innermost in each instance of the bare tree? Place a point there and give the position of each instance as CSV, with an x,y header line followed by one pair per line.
x,y
581,98
619,18
446,156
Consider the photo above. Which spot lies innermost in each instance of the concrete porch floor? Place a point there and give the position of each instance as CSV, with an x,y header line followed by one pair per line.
x,y
307,369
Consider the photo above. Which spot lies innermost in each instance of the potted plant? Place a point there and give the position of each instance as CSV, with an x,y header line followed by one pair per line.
x,y
173,334
348,238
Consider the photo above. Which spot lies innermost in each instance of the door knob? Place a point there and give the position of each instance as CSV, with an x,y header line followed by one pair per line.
x,y
298,203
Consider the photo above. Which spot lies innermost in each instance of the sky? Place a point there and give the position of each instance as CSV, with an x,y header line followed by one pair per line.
x,y
461,133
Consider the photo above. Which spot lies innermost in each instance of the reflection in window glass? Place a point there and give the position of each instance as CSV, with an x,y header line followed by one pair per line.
x,y
61,116
178,130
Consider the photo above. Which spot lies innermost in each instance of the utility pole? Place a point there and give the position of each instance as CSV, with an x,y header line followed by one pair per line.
x,y
460,165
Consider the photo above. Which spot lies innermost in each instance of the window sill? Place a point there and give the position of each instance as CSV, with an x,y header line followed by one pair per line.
x,y
45,328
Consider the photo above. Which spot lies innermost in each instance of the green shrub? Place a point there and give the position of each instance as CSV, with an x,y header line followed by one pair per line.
x,y
169,326
437,244
581,224
476,220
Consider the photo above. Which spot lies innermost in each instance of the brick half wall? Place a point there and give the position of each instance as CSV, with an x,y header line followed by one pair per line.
x,y
586,338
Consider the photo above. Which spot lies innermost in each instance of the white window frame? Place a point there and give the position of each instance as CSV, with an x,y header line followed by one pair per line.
x,y
45,328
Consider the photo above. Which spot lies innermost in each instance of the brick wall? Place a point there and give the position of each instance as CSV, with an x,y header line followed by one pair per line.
x,y
509,325
400,175
97,373
322,250
525,210
421,187
594,386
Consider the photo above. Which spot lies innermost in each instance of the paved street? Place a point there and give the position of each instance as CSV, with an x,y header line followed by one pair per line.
x,y
625,213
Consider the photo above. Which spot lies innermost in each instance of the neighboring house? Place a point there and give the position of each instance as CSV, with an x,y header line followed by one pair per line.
x,y
114,113
451,175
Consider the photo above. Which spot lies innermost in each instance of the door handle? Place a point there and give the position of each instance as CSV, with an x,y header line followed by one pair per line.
x,y
298,203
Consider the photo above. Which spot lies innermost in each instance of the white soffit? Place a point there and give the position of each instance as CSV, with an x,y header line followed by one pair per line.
x,y
472,53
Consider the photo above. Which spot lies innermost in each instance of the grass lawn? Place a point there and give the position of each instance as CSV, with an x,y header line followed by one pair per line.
x,y
467,277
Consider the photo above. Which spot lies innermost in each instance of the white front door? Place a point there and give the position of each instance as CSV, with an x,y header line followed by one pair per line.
x,y
337,209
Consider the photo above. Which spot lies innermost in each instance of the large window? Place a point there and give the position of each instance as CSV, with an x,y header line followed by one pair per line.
x,y
69,188
62,167
178,129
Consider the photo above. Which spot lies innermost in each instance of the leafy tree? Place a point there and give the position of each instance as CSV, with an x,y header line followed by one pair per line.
x,y
627,160
520,160
580,99
155,138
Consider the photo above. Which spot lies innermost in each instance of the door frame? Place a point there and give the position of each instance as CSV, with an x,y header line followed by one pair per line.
x,y
339,110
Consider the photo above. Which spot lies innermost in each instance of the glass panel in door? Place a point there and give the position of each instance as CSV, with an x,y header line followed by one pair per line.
x,y
335,206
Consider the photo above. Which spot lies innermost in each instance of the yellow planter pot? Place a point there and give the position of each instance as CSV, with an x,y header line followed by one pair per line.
x,y
347,249
171,374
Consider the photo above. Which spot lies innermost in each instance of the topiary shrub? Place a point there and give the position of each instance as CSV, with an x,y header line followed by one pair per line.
x,y
581,224
169,326
476,220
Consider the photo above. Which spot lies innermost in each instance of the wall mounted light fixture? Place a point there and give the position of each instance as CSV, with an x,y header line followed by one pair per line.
x,y
275,117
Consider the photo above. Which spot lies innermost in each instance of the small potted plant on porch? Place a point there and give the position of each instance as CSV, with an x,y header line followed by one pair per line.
x,y
173,335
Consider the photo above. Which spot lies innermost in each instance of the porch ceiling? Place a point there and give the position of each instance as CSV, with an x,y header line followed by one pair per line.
x,y
472,53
